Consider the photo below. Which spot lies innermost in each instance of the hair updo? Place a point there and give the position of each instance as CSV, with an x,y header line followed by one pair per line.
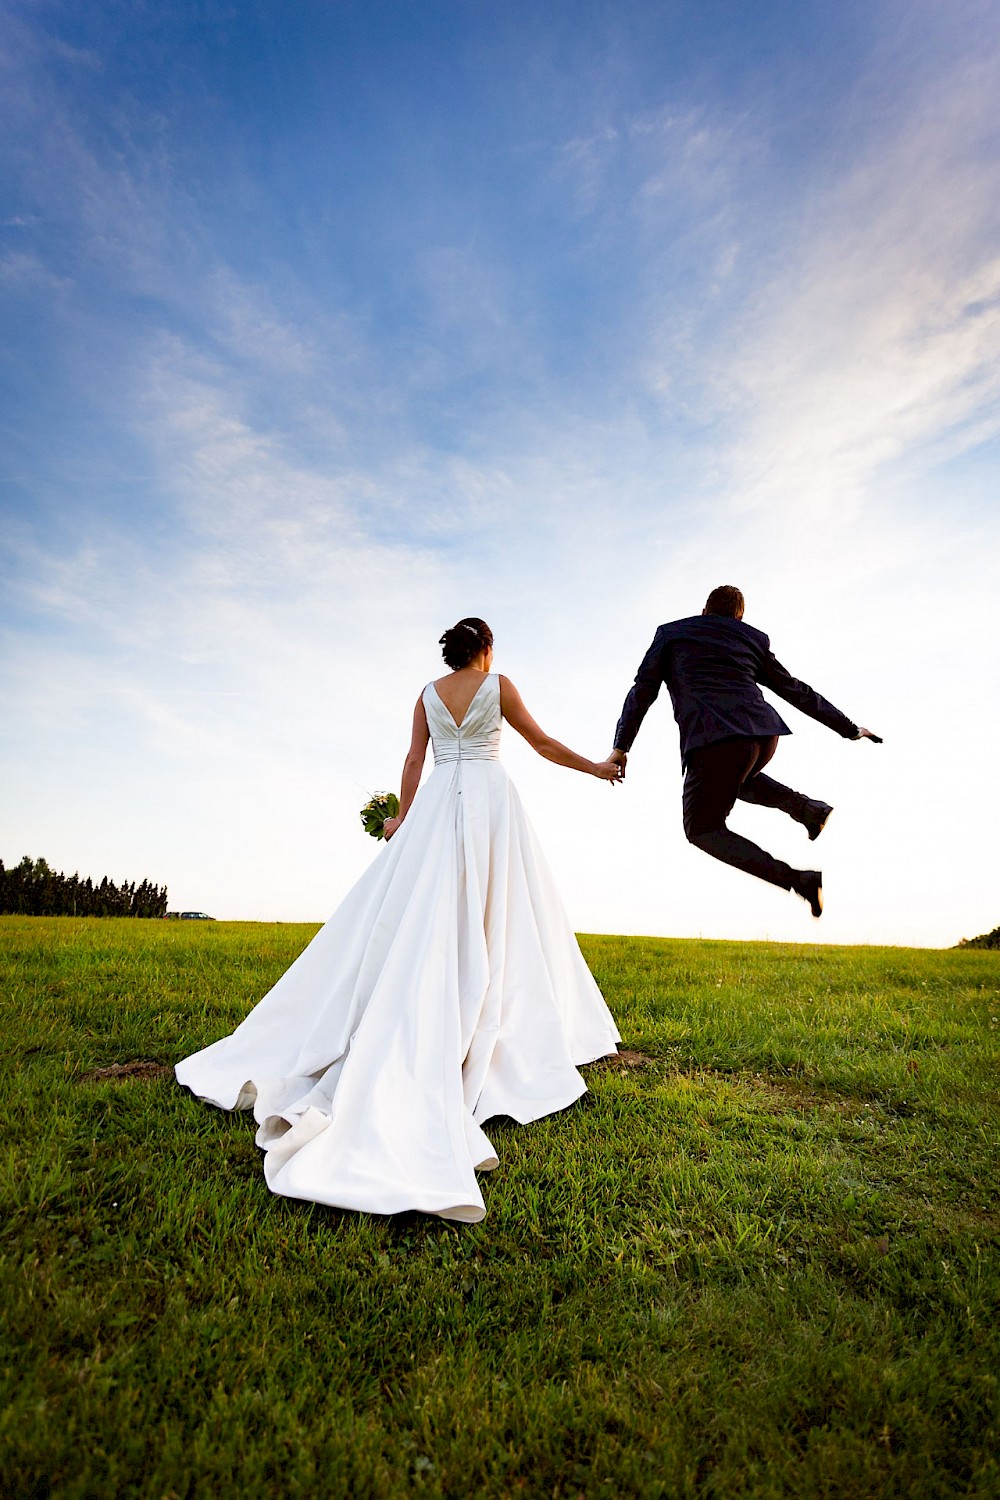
x,y
464,641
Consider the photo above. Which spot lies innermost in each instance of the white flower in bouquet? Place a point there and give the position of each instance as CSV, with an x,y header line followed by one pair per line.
x,y
375,811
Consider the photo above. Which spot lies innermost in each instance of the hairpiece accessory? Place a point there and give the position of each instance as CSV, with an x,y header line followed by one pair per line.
x,y
469,627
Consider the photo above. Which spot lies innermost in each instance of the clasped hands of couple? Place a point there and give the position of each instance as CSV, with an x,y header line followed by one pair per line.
x,y
616,766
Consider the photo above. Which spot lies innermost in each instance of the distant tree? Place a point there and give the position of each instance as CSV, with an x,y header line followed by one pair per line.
x,y
984,940
147,900
33,888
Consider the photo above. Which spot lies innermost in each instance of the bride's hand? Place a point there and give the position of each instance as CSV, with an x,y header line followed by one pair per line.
x,y
608,770
389,827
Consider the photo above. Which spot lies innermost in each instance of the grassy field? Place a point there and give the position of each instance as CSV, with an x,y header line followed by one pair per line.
x,y
761,1260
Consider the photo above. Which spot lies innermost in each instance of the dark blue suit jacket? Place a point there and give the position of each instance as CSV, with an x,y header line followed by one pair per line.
x,y
713,667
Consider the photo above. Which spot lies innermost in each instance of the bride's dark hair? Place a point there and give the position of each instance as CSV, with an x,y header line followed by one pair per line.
x,y
464,641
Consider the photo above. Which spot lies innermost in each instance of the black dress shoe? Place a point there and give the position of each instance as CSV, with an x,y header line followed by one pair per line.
x,y
809,885
815,818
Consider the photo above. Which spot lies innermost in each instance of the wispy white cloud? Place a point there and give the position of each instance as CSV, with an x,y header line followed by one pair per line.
x,y
244,321
22,270
877,335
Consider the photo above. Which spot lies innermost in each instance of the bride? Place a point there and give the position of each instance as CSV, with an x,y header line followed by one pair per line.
x,y
447,987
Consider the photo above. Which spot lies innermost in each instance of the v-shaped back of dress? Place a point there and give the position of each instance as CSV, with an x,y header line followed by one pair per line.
x,y
478,735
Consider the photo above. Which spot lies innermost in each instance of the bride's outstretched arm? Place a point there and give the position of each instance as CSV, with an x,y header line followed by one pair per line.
x,y
413,765
518,717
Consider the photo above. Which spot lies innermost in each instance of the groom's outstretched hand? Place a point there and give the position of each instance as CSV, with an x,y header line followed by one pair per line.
x,y
618,758
866,734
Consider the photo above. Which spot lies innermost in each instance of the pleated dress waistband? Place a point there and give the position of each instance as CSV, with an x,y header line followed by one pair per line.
x,y
470,749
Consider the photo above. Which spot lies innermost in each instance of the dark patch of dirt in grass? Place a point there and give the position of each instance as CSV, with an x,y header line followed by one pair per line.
x,y
785,1092
127,1070
625,1058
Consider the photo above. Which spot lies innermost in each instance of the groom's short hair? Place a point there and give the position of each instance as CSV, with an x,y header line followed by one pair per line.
x,y
725,600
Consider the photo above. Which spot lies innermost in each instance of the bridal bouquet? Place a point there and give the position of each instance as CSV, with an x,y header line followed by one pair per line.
x,y
375,811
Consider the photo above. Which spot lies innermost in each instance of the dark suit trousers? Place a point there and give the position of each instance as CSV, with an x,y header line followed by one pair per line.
x,y
718,775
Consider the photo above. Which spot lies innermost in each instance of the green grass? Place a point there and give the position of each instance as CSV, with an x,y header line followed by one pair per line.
x,y
761,1261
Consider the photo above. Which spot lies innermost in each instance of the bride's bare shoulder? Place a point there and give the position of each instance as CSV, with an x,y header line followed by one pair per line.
x,y
509,695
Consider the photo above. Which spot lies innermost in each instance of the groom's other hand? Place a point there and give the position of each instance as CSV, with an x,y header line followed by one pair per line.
x,y
867,734
618,758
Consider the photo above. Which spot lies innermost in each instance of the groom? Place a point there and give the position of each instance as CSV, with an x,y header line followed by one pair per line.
x,y
713,665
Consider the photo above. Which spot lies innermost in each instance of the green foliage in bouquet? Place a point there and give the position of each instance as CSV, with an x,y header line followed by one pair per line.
x,y
374,813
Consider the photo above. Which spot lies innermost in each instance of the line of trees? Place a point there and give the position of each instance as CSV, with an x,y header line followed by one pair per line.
x,y
35,890
984,940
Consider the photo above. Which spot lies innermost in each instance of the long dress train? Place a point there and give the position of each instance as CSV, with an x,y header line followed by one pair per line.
x,y
448,987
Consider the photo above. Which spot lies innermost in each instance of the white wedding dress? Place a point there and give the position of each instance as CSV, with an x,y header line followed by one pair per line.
x,y
446,988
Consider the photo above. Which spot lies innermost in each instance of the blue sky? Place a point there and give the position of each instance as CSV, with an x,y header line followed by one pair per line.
x,y
327,323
